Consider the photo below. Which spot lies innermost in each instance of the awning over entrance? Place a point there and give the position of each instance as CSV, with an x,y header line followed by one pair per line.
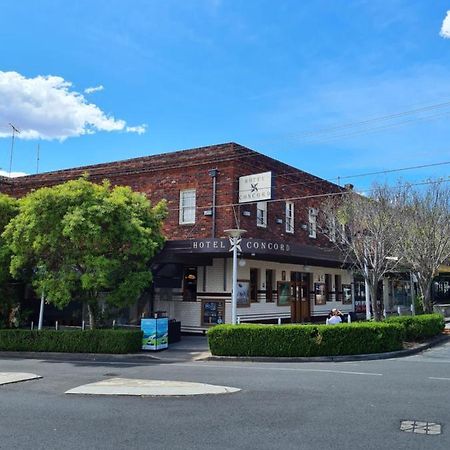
x,y
201,251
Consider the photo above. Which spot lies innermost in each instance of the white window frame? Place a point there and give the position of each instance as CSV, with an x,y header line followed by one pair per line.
x,y
289,219
261,214
312,225
185,209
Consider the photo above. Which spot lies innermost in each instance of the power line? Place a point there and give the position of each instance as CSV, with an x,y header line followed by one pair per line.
x,y
304,197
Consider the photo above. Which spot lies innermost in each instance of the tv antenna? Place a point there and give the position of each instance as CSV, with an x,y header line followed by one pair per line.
x,y
14,131
37,157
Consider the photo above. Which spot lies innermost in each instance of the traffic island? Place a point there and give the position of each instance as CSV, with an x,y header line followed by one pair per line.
x,y
150,388
16,377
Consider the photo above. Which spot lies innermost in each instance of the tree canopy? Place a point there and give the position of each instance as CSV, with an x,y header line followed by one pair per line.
x,y
8,209
83,241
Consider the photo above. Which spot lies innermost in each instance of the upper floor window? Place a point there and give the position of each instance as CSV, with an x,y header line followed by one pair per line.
x,y
312,222
261,214
187,206
289,217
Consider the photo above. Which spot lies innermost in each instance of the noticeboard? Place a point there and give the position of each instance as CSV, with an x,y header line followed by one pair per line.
x,y
213,312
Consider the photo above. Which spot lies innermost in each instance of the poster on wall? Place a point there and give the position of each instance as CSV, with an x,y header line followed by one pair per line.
x,y
320,294
155,334
284,293
243,293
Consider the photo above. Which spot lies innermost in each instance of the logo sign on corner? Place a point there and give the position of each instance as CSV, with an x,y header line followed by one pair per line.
x,y
257,187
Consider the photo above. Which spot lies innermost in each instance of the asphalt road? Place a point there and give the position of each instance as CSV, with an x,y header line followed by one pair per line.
x,y
353,405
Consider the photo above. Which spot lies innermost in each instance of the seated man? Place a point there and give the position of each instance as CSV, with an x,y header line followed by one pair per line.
x,y
335,317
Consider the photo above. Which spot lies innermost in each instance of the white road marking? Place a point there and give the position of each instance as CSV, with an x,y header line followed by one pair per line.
x,y
438,378
290,369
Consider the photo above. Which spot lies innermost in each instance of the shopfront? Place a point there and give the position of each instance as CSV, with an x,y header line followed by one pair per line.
x,y
277,282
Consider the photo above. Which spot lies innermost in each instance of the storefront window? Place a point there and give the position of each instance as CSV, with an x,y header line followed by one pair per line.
x,y
269,285
254,277
190,284
441,289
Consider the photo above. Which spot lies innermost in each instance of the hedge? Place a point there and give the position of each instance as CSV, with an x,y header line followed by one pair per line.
x,y
420,327
305,340
71,341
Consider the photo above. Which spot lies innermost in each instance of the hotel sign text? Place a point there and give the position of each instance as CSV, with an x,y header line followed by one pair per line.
x,y
255,188
247,245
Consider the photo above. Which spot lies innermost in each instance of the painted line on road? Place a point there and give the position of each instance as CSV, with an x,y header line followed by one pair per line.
x,y
286,369
438,378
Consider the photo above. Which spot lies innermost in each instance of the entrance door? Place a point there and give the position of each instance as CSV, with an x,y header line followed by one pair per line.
x,y
300,308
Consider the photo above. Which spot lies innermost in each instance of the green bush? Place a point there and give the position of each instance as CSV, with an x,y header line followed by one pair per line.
x,y
305,340
420,327
90,341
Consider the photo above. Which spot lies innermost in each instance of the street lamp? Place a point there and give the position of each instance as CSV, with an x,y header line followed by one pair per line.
x,y
235,240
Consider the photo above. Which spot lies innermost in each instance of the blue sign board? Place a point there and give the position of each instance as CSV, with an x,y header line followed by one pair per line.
x,y
156,334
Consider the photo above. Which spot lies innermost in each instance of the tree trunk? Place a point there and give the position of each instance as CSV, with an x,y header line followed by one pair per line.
x,y
425,290
91,313
374,301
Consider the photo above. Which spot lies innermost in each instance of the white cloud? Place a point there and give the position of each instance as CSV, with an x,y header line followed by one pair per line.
x,y
46,107
445,28
90,90
139,129
4,173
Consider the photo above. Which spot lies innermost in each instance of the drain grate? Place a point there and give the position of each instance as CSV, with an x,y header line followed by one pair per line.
x,y
419,427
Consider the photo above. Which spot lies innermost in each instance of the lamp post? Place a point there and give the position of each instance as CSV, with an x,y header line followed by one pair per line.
x,y
235,240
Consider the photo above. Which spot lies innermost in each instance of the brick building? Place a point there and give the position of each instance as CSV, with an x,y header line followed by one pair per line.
x,y
287,269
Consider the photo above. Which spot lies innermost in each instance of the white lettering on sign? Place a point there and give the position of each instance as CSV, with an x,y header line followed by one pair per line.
x,y
247,245
256,187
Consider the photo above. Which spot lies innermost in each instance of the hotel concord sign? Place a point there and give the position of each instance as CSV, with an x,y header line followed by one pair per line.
x,y
255,188
247,246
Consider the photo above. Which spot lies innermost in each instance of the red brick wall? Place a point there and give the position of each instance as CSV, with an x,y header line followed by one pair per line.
x,y
163,176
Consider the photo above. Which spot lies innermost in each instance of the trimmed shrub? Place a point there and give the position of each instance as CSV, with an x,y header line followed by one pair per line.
x,y
305,340
73,341
420,327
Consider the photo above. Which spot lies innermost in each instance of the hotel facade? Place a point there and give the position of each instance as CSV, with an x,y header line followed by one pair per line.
x,y
287,270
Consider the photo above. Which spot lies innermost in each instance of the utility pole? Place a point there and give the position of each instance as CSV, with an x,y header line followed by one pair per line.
x,y
14,131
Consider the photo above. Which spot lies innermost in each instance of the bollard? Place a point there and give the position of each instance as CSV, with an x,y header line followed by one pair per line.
x,y
399,311
349,318
279,320
32,325
114,323
238,321
83,325
56,325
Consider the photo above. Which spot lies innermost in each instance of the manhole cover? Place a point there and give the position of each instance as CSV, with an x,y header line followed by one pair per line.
x,y
419,427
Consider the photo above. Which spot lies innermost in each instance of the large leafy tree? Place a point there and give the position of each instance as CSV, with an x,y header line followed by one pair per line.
x,y
8,209
86,241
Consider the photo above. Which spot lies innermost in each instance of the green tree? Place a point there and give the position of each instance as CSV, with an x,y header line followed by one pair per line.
x,y
8,209
85,241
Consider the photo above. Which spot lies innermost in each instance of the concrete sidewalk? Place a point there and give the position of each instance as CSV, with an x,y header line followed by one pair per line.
x,y
190,348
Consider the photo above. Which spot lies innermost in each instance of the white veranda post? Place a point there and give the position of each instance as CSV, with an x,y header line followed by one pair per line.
x,y
235,242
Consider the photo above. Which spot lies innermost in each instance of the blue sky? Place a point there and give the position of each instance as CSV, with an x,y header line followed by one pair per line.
x,y
277,76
